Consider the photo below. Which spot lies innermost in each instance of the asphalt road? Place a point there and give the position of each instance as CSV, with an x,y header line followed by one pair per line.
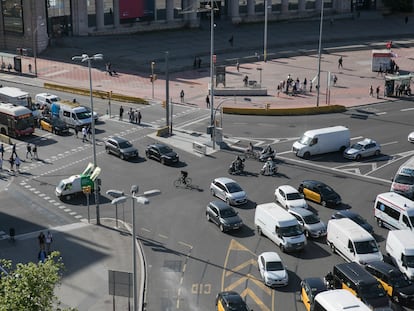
x,y
190,260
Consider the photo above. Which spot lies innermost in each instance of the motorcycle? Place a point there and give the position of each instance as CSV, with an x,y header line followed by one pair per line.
x,y
236,169
266,155
269,171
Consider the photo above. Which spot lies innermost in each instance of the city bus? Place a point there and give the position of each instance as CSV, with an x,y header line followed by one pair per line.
x,y
15,120
16,96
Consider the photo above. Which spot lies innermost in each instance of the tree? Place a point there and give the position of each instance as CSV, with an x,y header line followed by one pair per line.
x,y
31,286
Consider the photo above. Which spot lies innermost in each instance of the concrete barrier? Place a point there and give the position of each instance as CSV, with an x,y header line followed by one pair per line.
x,y
5,139
268,111
200,148
244,91
163,131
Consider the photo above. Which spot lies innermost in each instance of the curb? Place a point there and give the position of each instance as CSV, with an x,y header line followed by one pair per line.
x,y
267,111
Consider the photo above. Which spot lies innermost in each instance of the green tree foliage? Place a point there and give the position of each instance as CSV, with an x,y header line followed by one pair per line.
x,y
403,6
31,286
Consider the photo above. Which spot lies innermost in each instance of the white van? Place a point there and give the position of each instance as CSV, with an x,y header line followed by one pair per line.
x,y
324,140
45,100
338,299
72,114
352,242
403,182
279,226
400,247
394,211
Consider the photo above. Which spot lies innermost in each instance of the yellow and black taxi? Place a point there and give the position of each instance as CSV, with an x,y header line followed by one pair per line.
x,y
395,283
310,287
230,301
320,193
54,125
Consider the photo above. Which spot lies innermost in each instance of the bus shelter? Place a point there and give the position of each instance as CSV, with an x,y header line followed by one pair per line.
x,y
398,85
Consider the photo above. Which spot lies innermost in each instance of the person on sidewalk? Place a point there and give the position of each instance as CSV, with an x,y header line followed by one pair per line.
x,y
371,91
11,161
17,162
48,240
121,113
378,91
34,148
14,150
41,238
182,96
29,151
340,62
84,133
208,101
139,117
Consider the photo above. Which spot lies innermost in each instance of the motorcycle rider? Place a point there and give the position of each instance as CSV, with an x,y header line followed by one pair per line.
x,y
237,164
267,150
269,166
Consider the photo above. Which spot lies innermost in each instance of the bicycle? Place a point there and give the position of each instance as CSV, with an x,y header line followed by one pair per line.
x,y
183,182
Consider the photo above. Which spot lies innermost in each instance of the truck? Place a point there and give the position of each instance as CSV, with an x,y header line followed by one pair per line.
x,y
323,140
16,96
400,249
75,184
73,114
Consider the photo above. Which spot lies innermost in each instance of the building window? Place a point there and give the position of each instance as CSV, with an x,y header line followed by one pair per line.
x,y
12,15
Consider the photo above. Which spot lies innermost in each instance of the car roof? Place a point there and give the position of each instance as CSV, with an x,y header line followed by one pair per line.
x,y
231,296
287,189
314,182
347,213
383,267
224,180
157,145
367,141
315,282
270,256
300,211
117,139
221,205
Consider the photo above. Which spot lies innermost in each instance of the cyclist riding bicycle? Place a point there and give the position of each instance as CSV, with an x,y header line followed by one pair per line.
x,y
184,176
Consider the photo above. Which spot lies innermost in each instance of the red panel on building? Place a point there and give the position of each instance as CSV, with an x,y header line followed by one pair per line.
x,y
131,9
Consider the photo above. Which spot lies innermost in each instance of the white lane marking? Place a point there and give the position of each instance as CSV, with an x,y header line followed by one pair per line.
x,y
407,109
357,137
390,143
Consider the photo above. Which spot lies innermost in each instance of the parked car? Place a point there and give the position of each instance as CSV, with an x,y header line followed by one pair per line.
x,y
310,222
272,270
223,215
354,217
120,147
310,287
228,190
289,197
161,153
362,149
230,301
320,193
53,125
411,137
44,100
396,284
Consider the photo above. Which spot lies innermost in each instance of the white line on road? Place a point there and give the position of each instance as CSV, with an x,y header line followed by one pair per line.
x,y
407,109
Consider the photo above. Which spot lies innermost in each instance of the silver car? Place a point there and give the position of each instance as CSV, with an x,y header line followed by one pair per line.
x,y
362,149
310,222
228,190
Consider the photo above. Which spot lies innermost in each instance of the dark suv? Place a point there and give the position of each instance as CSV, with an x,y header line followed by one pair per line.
x,y
161,153
120,147
223,215
395,283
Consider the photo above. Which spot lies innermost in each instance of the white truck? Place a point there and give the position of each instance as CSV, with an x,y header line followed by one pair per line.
x,y
352,242
400,248
75,184
279,226
323,140
74,115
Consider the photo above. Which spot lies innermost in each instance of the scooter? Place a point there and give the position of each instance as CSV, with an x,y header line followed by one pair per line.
x,y
269,171
265,156
236,169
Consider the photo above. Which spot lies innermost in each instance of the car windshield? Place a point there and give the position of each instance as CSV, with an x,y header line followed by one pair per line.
x,y
58,122
125,144
371,291
399,280
290,231
311,219
54,99
326,190
83,115
409,261
305,140
165,149
357,146
358,219
366,247
233,187
293,196
274,266
226,213
404,179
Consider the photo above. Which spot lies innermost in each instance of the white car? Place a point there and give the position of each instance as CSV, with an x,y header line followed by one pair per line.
x,y
289,197
411,137
228,190
362,149
272,270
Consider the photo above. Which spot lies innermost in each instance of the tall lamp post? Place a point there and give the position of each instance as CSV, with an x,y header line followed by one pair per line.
x,y
265,33
212,61
141,199
85,58
152,78
34,43
318,87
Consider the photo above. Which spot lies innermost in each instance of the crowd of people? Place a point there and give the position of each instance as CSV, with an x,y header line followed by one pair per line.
x,y
14,160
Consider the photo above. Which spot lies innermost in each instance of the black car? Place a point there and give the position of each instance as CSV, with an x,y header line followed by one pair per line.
x,y
120,147
230,301
161,153
320,193
354,217
53,125
310,287
395,283
223,216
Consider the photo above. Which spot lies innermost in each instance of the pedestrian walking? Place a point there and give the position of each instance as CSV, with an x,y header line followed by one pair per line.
x,y
310,86
278,89
14,150
238,66
340,62
42,256
11,161
2,151
76,131
48,240
305,83
121,113
208,101
246,80
371,91
378,91
34,148
182,96
84,133
17,162
29,151
131,115
41,238
89,130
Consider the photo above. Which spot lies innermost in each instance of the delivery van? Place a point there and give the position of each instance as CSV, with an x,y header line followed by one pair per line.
x,y
279,226
75,184
394,211
338,299
403,182
72,114
400,248
323,140
351,241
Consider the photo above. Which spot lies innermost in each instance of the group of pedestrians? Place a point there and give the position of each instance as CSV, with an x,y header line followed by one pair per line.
x,y
45,245
14,160
135,116
292,87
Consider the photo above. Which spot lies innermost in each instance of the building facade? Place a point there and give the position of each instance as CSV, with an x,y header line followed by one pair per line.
x,y
31,25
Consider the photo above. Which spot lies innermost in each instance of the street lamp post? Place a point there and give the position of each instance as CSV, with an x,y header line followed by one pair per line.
x,y
152,78
265,33
88,59
141,199
319,56
212,70
34,43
